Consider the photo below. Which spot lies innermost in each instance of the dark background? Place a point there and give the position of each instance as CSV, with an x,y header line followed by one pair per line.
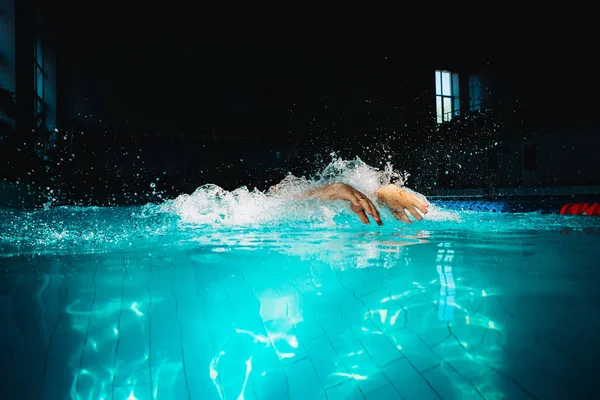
x,y
179,94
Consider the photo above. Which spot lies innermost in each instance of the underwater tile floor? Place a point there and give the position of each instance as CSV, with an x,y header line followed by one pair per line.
x,y
199,325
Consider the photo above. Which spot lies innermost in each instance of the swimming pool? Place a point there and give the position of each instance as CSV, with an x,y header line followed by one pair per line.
x,y
261,299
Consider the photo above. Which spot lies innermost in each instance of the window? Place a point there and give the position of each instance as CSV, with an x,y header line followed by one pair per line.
x,y
447,102
38,82
474,93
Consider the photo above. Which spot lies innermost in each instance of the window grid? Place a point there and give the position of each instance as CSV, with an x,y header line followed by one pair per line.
x,y
447,95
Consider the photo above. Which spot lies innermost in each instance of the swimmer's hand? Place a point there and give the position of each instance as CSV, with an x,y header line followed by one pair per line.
x,y
359,203
400,200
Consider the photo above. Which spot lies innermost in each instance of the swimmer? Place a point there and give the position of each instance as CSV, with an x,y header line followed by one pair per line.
x,y
399,200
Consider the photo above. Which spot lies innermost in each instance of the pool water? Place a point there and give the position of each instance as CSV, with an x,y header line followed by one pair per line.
x,y
474,306
239,296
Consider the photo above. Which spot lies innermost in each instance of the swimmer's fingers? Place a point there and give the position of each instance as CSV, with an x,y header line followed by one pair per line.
x,y
401,216
361,213
423,208
417,202
372,211
375,214
368,206
414,212
408,200
421,205
363,217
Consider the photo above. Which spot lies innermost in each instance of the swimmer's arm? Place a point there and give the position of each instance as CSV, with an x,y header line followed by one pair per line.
x,y
359,202
400,200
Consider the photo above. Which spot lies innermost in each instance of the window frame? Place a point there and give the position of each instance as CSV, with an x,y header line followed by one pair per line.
x,y
444,100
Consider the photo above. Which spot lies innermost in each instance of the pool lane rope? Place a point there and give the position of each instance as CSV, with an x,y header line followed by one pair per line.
x,y
506,207
470,205
581,209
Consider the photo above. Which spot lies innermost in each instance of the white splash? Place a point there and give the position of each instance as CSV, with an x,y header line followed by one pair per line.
x,y
283,203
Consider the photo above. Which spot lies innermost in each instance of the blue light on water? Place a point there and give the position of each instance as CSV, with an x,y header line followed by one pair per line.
x,y
237,296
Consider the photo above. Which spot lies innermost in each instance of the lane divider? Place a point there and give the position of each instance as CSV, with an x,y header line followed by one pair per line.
x,y
506,207
581,209
490,206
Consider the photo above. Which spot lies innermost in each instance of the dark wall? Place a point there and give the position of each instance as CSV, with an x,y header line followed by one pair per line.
x,y
21,24
24,33
155,79
7,53
360,95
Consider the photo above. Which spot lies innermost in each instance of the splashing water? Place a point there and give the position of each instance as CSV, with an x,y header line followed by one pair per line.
x,y
214,206
211,209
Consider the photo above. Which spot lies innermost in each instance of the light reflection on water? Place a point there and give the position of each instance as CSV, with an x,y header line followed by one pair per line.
x,y
303,314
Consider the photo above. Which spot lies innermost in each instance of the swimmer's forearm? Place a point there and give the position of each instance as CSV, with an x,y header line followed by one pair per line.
x,y
318,192
325,192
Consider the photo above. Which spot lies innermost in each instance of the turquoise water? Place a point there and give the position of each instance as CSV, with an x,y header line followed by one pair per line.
x,y
130,303
239,295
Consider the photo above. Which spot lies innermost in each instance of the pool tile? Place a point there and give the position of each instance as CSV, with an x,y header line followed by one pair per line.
x,y
352,309
136,283
238,292
361,367
204,389
474,368
168,382
271,384
408,382
75,311
96,372
198,354
380,349
303,381
9,334
327,363
165,333
309,328
468,332
539,371
362,281
220,328
184,272
424,321
28,362
347,390
450,385
386,392
61,367
417,352
131,373
238,389
94,384
185,288
491,384
375,299
251,326
303,284
415,301
138,391
133,350
232,365
338,330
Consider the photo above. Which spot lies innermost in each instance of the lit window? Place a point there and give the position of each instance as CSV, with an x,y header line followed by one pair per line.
x,y
474,93
447,102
